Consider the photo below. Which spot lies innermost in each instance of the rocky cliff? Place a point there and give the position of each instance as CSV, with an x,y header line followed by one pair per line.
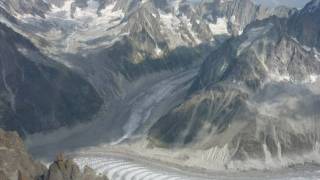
x,y
74,59
14,159
17,164
36,93
63,169
255,97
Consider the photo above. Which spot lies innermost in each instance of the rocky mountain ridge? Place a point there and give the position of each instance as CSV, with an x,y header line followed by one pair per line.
x,y
162,25
255,98
17,164
123,64
38,93
13,157
110,43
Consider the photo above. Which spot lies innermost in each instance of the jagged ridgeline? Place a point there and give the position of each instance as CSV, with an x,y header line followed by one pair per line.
x,y
65,62
17,164
115,70
256,97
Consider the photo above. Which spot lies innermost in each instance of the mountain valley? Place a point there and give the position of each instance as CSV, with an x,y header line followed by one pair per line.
x,y
212,85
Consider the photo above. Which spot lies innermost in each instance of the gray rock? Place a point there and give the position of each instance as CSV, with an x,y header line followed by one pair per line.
x,y
35,7
16,163
305,27
239,13
38,94
252,94
63,169
155,36
14,158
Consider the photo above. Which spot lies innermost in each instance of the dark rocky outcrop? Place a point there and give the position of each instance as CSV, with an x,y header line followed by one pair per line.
x,y
16,163
63,169
305,27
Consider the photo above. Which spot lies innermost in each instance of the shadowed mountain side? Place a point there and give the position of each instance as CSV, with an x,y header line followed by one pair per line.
x,y
37,93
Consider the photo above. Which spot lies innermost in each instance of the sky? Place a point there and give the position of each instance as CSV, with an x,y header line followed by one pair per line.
x,y
290,3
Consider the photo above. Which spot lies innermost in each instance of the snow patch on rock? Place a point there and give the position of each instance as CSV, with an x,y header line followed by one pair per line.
x,y
220,28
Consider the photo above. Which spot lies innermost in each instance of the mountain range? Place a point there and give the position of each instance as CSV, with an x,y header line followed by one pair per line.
x,y
236,80
93,48
256,96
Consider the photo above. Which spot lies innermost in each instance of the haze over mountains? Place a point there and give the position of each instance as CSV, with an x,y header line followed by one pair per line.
x,y
234,82
289,3
273,3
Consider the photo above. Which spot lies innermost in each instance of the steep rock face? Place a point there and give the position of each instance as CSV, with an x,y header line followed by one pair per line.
x,y
255,99
109,43
158,24
152,29
34,7
37,93
17,164
145,30
63,169
239,13
95,47
305,27
15,160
